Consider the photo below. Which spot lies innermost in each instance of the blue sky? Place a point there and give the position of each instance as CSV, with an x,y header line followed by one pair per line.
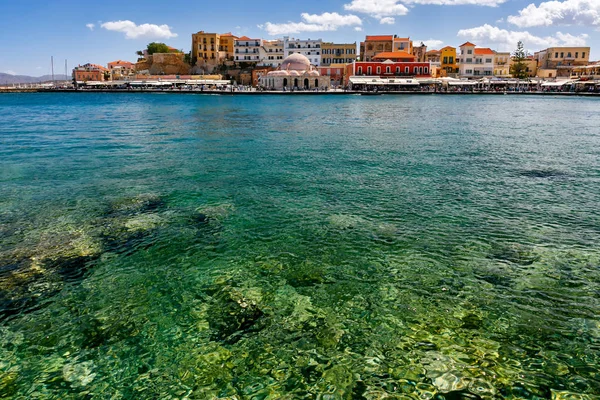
x,y
99,32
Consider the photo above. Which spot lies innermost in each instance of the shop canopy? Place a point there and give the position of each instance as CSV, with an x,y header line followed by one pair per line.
x,y
361,80
462,83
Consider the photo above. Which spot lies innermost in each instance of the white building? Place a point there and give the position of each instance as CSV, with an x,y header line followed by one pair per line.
x,y
271,53
311,49
247,50
475,62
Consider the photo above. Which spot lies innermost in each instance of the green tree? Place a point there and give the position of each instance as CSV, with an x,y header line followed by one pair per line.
x,y
188,58
157,48
519,67
140,53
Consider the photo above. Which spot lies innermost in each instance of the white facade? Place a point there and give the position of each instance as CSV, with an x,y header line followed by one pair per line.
x,y
271,53
247,50
475,63
311,49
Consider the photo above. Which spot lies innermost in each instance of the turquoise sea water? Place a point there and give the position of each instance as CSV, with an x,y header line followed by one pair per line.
x,y
160,246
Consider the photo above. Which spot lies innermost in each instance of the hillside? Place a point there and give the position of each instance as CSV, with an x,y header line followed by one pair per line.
x,y
9,79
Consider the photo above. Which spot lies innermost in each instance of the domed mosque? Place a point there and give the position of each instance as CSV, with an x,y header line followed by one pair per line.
x,y
295,72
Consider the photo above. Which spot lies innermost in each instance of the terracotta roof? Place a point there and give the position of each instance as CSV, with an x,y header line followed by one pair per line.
x,y
403,39
466,44
246,38
100,67
433,52
393,54
120,62
380,38
484,50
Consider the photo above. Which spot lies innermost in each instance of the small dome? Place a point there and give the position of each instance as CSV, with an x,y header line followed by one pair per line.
x,y
293,73
295,62
314,73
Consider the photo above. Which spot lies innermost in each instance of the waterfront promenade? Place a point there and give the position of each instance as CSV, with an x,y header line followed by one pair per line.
x,y
334,92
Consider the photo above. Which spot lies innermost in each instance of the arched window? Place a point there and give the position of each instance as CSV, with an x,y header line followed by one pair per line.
x,y
397,70
369,70
378,70
360,70
306,84
406,70
426,70
316,83
420,70
415,70
388,70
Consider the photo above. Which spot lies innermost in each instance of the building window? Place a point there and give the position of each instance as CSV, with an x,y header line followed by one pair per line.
x,y
420,70
583,54
406,70
415,70
469,60
576,54
488,60
369,70
388,70
469,51
562,55
569,54
378,70
397,70
426,70
556,55
360,70
469,71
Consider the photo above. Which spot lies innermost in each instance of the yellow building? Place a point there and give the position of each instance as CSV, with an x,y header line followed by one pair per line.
x,y
403,44
531,70
448,60
502,64
336,54
212,49
561,61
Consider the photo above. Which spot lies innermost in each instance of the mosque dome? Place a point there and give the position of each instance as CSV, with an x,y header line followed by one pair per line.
x,y
314,73
295,62
294,73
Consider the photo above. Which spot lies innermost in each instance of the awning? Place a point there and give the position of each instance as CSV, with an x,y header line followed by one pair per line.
x,y
462,83
207,82
370,80
554,84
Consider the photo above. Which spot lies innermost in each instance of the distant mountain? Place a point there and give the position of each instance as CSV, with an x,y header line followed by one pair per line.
x,y
8,78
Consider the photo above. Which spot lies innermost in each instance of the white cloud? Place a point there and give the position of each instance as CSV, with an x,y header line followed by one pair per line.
x,y
377,8
431,43
90,26
505,40
312,23
358,29
133,31
388,8
10,72
388,20
568,12
486,3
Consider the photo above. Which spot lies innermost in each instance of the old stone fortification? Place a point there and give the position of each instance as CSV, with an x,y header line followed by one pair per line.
x,y
164,64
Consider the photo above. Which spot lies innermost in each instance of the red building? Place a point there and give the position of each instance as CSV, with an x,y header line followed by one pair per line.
x,y
388,69
90,72
335,73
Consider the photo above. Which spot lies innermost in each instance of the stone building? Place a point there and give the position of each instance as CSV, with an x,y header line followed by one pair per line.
x,y
295,72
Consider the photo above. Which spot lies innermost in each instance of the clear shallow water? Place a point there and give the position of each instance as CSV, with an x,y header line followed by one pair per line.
x,y
164,246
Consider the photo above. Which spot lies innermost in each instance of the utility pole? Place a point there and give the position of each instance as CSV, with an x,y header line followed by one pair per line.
x,y
52,63
66,76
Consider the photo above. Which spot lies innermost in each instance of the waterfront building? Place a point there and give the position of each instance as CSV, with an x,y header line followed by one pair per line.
x,y
336,54
587,72
531,64
402,44
247,50
210,50
374,45
90,72
271,53
561,61
295,72
387,69
311,49
448,61
334,72
502,64
475,62
420,52
121,69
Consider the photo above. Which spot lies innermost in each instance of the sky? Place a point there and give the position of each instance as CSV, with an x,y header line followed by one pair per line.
x,y
99,32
